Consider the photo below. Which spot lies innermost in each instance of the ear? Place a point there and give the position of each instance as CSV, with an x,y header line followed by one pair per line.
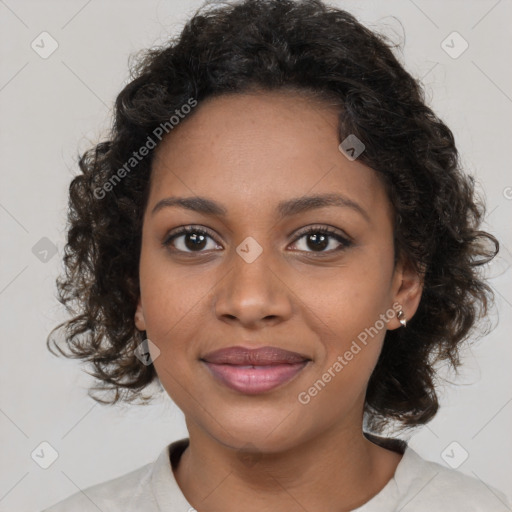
x,y
407,290
140,322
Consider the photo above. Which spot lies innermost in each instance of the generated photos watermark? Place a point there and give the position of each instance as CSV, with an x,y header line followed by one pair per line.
x,y
304,397
137,156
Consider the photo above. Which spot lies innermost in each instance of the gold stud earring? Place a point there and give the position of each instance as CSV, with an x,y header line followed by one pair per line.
x,y
401,318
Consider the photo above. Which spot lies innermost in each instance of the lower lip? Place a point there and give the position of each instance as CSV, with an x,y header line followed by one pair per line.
x,y
252,381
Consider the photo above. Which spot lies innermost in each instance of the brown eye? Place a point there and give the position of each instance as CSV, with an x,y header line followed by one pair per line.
x,y
189,239
318,239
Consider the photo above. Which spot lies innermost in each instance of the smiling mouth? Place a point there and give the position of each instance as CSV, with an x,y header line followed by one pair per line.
x,y
252,380
254,371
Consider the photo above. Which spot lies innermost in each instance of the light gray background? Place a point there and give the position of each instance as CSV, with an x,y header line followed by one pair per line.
x,y
52,108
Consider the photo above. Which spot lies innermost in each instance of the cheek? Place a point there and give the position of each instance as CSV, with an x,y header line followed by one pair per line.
x,y
352,299
170,319
171,296
338,390
351,333
349,313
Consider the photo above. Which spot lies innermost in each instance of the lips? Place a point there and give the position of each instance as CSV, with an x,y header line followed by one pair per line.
x,y
254,371
263,356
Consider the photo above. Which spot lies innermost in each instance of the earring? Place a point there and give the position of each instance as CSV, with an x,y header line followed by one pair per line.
x,y
401,318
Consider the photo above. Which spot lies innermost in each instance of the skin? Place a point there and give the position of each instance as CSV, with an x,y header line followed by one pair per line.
x,y
249,152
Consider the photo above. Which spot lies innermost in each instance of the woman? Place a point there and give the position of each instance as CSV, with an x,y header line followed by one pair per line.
x,y
278,231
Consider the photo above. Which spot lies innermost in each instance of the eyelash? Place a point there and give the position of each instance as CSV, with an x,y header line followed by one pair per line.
x,y
345,242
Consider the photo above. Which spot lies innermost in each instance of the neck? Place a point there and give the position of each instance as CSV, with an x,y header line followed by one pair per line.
x,y
338,470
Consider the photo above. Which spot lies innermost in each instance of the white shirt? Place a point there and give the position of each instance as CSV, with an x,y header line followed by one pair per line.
x,y
418,485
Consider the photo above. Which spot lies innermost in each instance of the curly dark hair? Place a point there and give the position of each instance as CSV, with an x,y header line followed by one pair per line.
x,y
322,51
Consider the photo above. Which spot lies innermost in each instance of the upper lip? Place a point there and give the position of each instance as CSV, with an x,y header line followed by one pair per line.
x,y
263,356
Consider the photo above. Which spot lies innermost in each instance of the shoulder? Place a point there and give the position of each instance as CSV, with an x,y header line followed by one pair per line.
x,y
150,488
425,486
118,494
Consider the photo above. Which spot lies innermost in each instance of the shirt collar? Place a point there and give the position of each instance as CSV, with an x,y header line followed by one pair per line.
x,y
170,498
164,486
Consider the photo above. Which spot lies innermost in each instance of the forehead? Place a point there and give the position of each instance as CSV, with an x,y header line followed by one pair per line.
x,y
245,148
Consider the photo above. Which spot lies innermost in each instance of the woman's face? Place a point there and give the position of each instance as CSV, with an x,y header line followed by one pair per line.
x,y
255,279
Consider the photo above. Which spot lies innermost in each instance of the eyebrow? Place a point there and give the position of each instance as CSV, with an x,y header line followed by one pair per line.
x,y
284,208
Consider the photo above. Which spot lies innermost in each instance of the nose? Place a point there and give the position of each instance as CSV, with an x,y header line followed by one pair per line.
x,y
253,293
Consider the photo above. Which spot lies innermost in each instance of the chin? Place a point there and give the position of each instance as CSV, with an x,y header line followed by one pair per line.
x,y
267,432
